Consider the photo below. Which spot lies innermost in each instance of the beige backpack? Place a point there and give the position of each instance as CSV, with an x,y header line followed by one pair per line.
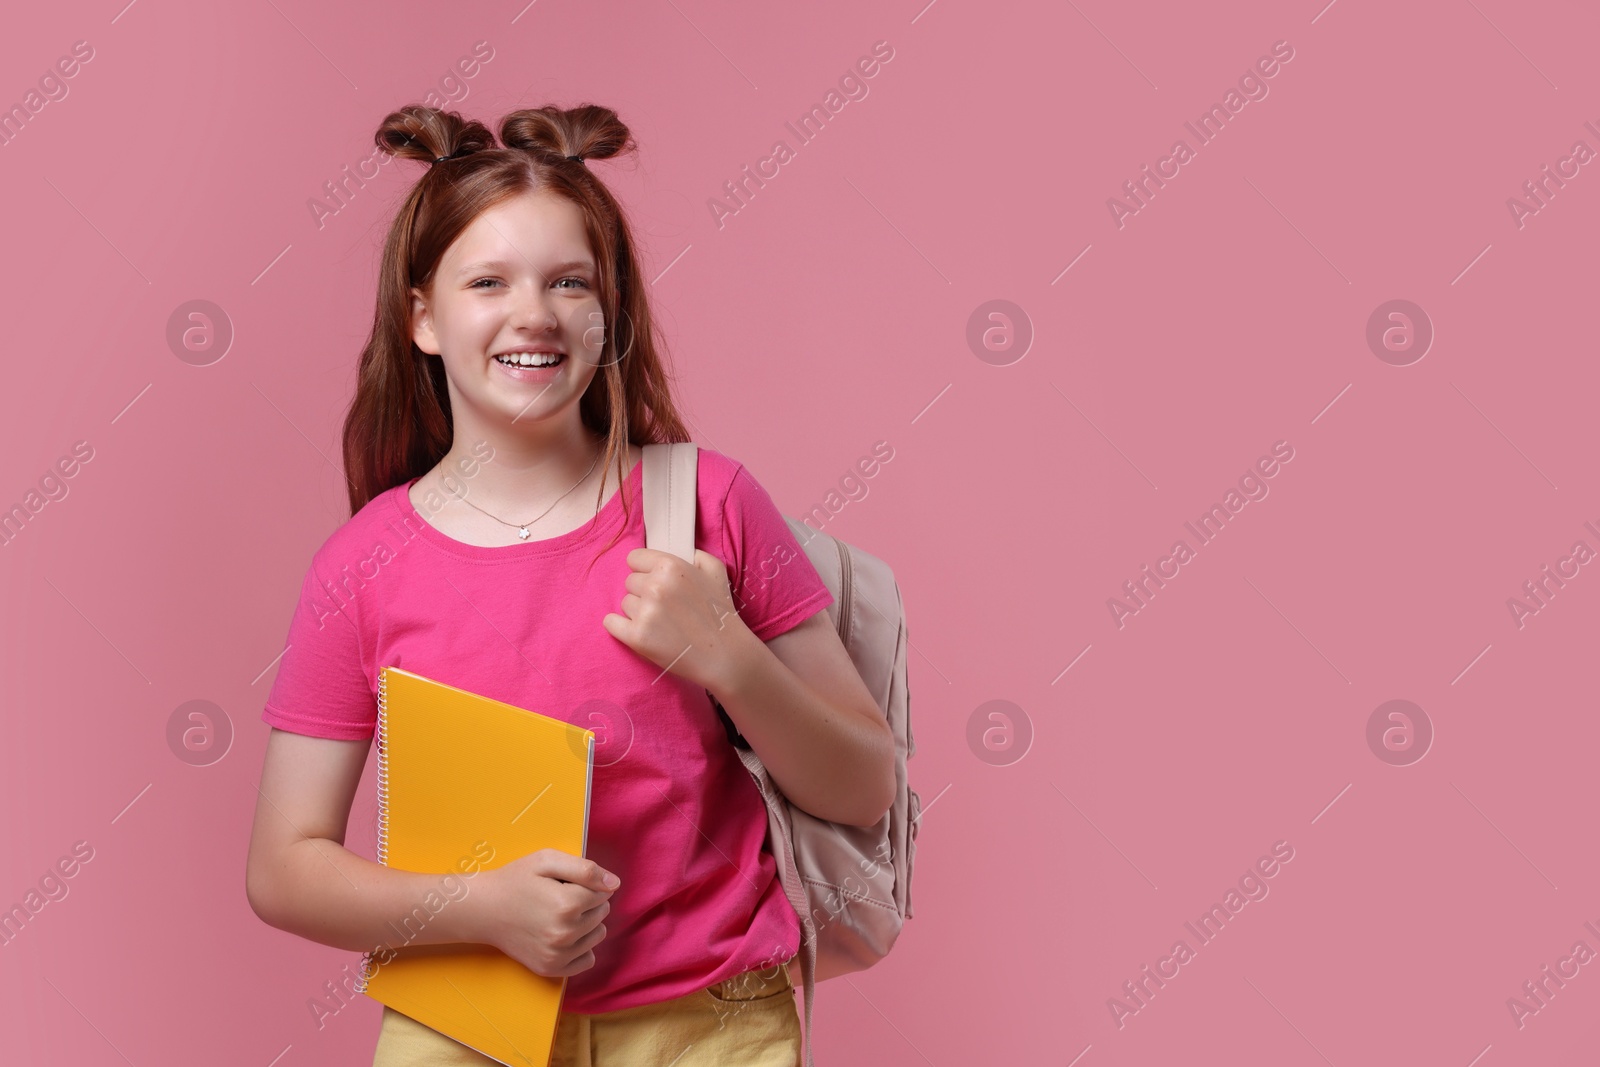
x,y
850,885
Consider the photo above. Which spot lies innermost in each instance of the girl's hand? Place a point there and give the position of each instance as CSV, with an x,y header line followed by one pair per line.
x,y
679,616
544,910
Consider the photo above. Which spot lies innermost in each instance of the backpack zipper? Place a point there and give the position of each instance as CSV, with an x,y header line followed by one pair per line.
x,y
845,575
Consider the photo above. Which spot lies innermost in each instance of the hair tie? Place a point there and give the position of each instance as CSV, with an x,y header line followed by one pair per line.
x,y
577,159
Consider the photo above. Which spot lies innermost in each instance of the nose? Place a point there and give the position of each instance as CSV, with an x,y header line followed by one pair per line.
x,y
533,311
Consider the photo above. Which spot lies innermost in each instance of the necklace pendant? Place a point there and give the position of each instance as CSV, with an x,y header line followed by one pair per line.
x,y
522,532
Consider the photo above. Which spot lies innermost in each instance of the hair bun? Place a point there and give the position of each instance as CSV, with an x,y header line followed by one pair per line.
x,y
553,133
426,133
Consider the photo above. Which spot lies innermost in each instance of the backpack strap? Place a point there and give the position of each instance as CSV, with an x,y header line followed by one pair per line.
x,y
789,875
669,519
670,470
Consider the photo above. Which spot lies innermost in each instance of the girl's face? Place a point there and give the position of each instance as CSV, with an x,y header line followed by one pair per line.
x,y
519,282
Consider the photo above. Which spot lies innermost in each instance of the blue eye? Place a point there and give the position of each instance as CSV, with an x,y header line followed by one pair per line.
x,y
495,281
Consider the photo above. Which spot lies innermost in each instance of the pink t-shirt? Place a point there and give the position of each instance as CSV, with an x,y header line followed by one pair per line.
x,y
673,813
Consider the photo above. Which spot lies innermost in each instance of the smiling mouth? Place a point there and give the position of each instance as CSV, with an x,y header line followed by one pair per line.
x,y
540,359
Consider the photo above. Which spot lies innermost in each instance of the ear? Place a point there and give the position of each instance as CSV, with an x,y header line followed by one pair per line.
x,y
422,324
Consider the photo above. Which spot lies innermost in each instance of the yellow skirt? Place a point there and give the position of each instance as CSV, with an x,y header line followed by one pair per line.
x,y
750,1020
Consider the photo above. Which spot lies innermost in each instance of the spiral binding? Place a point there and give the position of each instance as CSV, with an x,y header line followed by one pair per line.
x,y
368,968
383,768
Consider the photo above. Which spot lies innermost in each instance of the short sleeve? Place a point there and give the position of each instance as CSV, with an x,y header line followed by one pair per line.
x,y
775,587
322,688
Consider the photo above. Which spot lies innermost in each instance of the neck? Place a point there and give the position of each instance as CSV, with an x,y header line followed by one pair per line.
x,y
528,467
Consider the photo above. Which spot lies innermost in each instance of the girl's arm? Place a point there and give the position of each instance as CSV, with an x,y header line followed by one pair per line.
x,y
803,707
299,876
546,909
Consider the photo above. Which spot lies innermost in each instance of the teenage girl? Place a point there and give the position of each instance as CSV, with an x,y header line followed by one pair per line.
x,y
496,544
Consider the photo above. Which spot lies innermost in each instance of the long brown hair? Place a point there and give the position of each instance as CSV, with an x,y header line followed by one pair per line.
x,y
399,425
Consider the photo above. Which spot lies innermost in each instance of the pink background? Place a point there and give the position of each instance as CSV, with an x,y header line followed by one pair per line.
x,y
831,313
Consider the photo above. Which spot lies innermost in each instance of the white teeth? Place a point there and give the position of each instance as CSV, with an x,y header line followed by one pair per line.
x,y
530,359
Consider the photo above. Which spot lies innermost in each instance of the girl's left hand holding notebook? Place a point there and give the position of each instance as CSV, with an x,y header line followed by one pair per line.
x,y
680,616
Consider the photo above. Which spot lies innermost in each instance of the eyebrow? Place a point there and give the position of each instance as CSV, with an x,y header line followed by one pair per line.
x,y
503,266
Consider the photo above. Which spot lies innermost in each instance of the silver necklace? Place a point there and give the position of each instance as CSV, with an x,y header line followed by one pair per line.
x,y
522,527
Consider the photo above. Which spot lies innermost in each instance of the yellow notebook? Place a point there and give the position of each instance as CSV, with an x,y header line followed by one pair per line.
x,y
466,783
